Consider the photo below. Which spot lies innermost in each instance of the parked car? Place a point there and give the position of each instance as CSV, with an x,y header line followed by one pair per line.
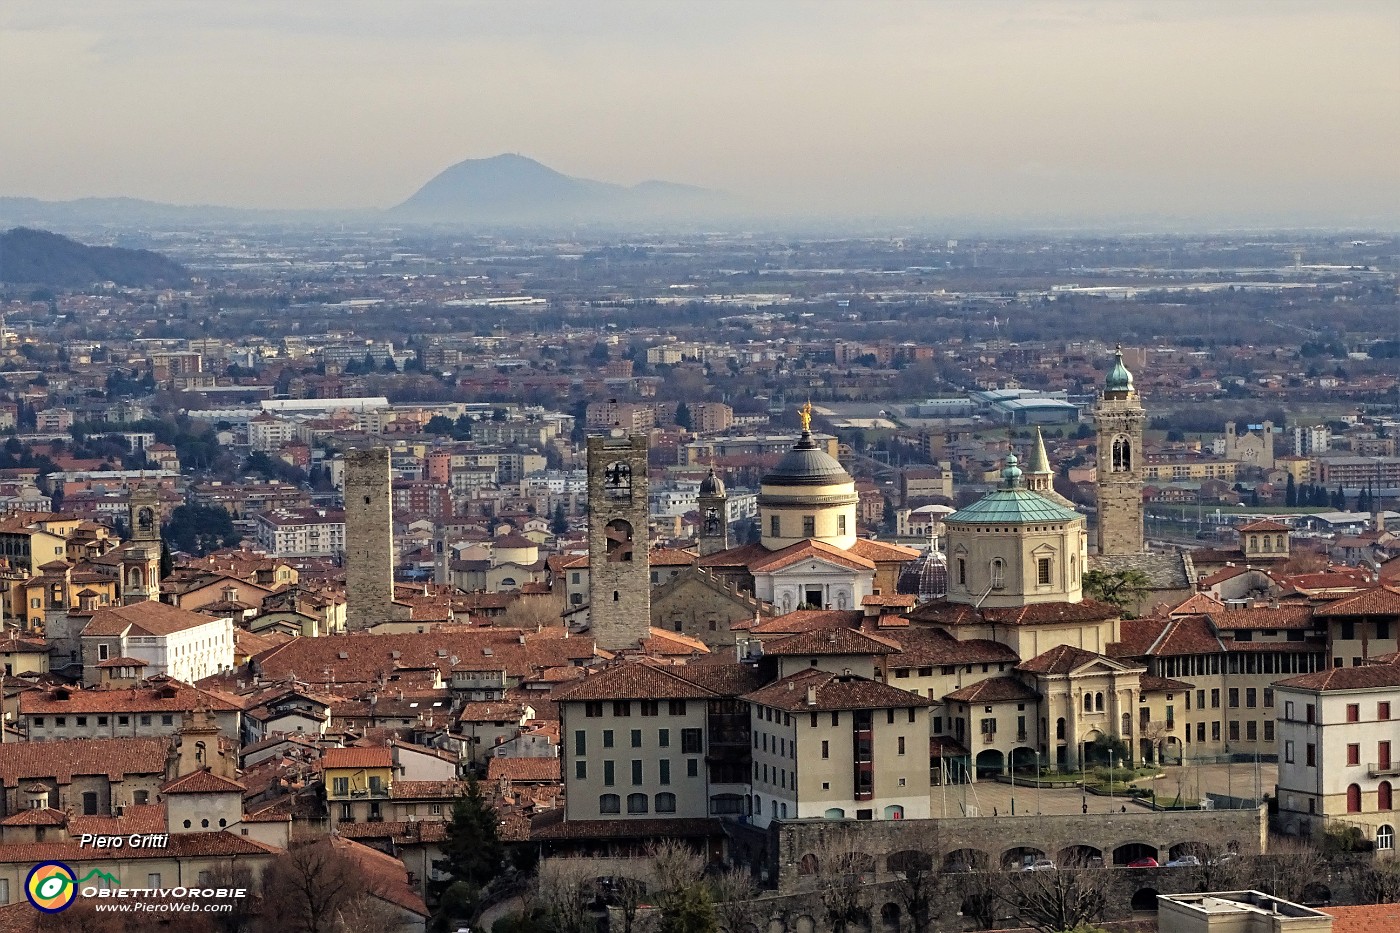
x,y
1040,864
1146,861
1185,861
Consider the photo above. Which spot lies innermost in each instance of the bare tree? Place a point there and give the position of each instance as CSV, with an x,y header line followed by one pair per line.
x,y
308,884
365,913
563,888
1377,881
531,612
676,866
1156,732
844,864
1060,899
734,891
629,893
242,912
980,896
1291,866
916,884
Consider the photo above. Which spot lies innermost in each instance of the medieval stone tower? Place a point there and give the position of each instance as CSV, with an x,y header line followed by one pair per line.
x,y
1120,418
140,558
369,539
619,571
714,515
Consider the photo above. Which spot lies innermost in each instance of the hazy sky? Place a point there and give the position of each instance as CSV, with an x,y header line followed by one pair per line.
x,y
1013,108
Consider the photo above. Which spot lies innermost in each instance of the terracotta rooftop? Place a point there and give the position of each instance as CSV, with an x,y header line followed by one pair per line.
x,y
524,770
832,692
1347,678
838,640
926,647
144,618
943,612
1377,601
993,690
632,680
379,756
61,761
1366,918
202,782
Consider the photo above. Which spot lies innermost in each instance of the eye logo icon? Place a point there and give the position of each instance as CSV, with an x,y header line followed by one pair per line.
x,y
51,887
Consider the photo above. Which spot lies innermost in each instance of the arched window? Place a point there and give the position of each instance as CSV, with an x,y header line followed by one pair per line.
x,y
1268,544
1122,454
1278,546
1127,725
998,573
1254,542
1384,796
665,803
1385,837
619,541
1098,702
1060,728
1353,798
609,803
636,803
1088,702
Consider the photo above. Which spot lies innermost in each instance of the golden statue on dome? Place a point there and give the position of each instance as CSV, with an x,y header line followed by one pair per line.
x,y
805,413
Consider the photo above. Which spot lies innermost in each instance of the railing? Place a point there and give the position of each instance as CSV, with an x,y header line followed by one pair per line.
x,y
1021,736
1383,769
989,738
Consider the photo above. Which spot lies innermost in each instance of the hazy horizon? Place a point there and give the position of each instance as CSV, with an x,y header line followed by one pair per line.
x,y
1003,110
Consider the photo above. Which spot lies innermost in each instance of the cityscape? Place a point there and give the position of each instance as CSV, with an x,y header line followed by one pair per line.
x,y
530,553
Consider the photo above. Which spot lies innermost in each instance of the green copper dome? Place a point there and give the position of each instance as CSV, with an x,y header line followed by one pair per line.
x,y
1119,379
1012,507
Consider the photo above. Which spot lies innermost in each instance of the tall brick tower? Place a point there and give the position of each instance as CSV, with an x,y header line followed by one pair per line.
x,y
714,515
369,539
140,558
619,568
1119,418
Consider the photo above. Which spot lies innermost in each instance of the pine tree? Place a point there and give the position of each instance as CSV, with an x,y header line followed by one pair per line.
x,y
559,524
683,419
1290,495
472,852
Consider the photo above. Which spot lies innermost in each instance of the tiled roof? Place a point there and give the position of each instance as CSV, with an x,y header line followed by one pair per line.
x,y
662,642
809,550
1197,604
379,756
402,832
202,782
384,875
1062,659
925,647
943,612
632,680
491,711
524,770
838,640
893,600
36,816
1150,684
135,818
832,692
1377,601
881,552
143,618
805,620
1264,524
116,758
158,695
1012,507
722,675
1279,617
1347,678
993,690
180,846
422,790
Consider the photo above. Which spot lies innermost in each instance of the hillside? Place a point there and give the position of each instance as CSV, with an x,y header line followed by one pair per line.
x,y
37,257
515,189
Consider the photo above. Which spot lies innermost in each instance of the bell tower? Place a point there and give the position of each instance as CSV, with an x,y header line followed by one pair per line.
x,y
619,567
714,515
1119,418
140,558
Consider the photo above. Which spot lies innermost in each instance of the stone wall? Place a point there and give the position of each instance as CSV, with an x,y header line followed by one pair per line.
x,y
619,573
369,539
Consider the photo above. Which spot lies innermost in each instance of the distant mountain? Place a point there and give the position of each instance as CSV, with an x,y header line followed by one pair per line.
x,y
37,257
516,189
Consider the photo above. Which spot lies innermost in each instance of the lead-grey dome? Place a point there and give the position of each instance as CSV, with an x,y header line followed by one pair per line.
x,y
926,576
807,465
711,486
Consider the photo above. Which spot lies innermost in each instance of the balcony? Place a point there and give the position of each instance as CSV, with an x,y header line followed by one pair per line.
x,y
1383,769
989,738
1021,737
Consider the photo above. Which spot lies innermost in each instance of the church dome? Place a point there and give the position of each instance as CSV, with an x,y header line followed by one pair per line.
x,y
711,486
925,577
807,465
1119,379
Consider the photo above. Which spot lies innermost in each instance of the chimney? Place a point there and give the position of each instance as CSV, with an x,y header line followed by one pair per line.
x,y
811,694
1380,520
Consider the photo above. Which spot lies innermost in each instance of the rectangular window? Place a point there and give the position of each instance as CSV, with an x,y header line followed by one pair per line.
x,y
774,527
607,738
593,710
1311,712
622,708
1288,752
677,707
901,745
1268,730
826,749
1215,731
692,742
1353,754
1251,697
1234,698
1287,709
101,652
840,524
1042,571
636,738
692,767
82,720
663,738
145,720
962,572
608,774
580,743
167,720
636,772
651,708
665,772
581,770
1383,710
1215,698
809,526
1171,716
1353,712
1251,731
1312,755
341,786
1200,699
1234,730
